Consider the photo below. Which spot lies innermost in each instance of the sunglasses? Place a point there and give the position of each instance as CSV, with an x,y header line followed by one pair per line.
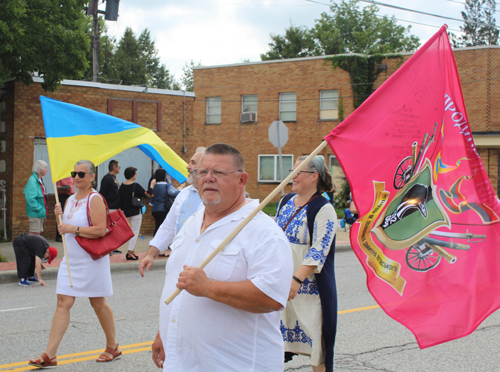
x,y
80,174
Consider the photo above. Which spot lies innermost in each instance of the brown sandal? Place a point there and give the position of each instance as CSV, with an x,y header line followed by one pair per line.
x,y
104,357
44,361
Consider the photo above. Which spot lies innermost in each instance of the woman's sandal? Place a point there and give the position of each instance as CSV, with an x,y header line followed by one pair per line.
x,y
44,361
167,255
105,356
131,256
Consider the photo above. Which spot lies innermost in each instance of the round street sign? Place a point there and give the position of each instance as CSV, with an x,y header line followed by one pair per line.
x,y
282,135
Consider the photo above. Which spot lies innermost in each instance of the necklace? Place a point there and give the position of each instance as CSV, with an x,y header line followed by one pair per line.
x,y
205,226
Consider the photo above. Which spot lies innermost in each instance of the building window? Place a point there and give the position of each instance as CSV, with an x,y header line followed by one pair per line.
x,y
328,104
249,103
337,172
269,167
288,106
248,108
213,110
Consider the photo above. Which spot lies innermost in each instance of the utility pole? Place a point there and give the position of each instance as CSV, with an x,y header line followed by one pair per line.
x,y
111,14
95,47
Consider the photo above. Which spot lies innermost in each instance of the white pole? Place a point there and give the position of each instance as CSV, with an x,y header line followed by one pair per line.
x,y
63,239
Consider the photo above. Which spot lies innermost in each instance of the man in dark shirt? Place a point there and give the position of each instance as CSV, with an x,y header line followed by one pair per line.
x,y
30,250
109,189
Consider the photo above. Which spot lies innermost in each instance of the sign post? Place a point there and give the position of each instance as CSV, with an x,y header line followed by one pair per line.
x,y
278,135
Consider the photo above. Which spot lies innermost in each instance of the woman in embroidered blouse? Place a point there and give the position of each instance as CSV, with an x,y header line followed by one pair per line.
x,y
90,278
309,322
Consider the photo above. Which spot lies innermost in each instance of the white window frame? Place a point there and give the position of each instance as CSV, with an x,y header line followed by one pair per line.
x,y
338,180
325,112
284,112
249,96
275,171
214,117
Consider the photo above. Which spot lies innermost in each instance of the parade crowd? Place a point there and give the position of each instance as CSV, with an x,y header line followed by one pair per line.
x,y
269,294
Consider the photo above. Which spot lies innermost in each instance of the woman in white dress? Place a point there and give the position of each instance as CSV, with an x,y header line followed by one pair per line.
x,y
308,324
91,278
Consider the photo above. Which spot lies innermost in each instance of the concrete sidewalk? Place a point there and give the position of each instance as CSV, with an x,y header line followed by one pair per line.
x,y
8,270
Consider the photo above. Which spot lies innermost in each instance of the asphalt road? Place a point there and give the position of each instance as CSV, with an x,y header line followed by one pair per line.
x,y
367,339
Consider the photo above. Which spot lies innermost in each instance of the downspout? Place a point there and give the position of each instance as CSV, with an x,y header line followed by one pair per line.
x,y
184,149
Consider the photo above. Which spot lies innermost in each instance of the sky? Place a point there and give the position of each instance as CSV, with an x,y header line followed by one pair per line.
x,y
222,32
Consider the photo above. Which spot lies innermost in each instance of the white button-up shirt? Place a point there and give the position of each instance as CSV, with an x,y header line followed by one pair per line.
x,y
187,198
201,335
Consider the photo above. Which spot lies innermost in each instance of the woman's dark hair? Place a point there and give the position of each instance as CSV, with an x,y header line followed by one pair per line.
x,y
160,175
130,172
325,183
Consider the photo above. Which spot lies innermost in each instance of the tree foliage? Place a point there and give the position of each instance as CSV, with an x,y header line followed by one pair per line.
x,y
133,61
347,29
45,37
187,79
297,42
479,25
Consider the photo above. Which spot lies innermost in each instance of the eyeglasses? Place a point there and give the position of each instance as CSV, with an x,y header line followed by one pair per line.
x,y
80,174
291,171
216,173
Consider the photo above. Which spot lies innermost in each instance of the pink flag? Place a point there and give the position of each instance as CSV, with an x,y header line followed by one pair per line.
x,y
428,232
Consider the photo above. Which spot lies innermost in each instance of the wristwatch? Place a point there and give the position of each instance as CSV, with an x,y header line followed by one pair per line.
x,y
77,232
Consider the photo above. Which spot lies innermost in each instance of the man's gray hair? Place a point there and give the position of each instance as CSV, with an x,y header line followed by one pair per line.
x,y
226,149
200,149
39,166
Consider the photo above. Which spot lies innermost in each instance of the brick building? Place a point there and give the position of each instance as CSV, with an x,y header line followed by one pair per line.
x,y
168,113
237,104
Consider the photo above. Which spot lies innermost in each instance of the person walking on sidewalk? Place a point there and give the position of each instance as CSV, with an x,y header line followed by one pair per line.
x,y
185,204
128,190
110,189
65,189
29,251
36,198
91,278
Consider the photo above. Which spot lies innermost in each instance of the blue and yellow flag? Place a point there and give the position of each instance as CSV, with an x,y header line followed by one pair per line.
x,y
75,133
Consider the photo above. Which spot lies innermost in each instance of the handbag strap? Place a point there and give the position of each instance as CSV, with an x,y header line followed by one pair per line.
x,y
298,210
88,207
133,190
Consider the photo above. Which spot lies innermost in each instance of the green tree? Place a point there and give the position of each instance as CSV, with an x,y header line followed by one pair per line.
x,y
46,37
187,79
345,30
135,61
297,42
479,25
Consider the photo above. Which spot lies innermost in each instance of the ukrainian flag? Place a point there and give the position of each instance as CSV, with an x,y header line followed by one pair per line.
x,y
74,133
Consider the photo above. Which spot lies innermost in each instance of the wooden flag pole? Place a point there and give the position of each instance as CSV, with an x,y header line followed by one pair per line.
x,y
243,223
63,238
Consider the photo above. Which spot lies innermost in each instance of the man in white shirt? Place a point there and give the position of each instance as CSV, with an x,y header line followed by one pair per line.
x,y
227,316
185,204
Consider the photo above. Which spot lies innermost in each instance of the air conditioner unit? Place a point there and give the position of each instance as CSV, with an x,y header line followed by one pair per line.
x,y
248,117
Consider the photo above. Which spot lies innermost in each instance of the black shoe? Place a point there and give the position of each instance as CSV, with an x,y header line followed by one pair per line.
x,y
59,239
116,251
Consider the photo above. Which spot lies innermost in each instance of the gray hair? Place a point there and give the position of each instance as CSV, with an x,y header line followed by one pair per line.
x,y
89,165
200,149
325,181
39,166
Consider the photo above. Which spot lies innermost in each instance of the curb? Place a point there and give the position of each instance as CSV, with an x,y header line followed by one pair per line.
x,y
10,276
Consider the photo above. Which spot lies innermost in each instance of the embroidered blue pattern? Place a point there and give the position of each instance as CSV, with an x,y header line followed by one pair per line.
x,y
325,243
295,334
293,228
309,287
189,206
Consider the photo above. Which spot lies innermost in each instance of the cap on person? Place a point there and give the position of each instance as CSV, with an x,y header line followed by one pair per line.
x,y
52,254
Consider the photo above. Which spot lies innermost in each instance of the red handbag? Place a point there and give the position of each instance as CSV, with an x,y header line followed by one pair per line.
x,y
118,232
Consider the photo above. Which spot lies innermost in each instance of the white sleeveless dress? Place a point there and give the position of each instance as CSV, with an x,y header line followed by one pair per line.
x,y
90,278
